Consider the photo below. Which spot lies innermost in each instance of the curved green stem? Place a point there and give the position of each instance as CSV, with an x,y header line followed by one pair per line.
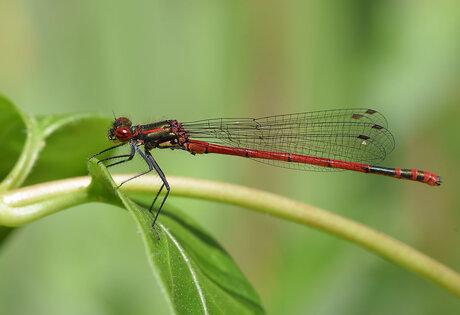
x,y
30,203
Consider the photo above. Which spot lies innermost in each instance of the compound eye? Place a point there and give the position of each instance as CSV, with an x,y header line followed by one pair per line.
x,y
123,121
123,134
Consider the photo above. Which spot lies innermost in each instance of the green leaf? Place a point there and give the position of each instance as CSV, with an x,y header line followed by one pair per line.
x,y
13,135
196,273
66,140
4,232
70,141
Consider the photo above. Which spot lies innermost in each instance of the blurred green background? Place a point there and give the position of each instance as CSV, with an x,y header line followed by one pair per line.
x,y
153,60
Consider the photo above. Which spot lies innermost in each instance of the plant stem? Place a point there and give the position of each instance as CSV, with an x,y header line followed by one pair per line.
x,y
30,203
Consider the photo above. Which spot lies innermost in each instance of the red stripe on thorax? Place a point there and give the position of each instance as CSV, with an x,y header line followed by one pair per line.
x,y
151,130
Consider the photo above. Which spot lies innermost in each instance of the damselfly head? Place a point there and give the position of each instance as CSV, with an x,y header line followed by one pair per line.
x,y
121,130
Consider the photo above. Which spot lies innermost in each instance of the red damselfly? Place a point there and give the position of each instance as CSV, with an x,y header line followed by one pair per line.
x,y
345,139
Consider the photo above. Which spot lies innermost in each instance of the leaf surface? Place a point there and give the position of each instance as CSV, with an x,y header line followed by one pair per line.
x,y
195,272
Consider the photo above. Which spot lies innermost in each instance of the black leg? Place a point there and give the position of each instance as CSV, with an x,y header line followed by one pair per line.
x,y
146,159
156,197
111,148
129,157
165,184
152,164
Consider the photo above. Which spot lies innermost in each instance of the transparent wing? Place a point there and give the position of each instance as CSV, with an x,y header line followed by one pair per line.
x,y
354,135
